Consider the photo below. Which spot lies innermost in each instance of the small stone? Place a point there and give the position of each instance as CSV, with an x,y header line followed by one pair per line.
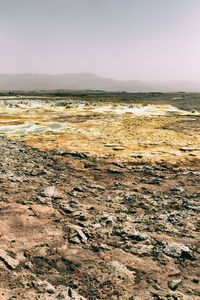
x,y
66,207
28,265
118,148
107,219
138,236
10,262
44,286
69,294
177,250
82,236
74,204
43,200
96,226
115,170
70,207
104,246
77,235
49,191
141,250
175,273
120,271
37,172
173,284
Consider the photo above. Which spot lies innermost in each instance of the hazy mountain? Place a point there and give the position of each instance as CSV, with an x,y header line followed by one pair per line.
x,y
85,81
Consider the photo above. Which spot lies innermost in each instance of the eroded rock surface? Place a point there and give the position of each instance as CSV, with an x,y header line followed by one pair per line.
x,y
76,227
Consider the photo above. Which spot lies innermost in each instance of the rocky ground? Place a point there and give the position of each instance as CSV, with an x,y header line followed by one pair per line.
x,y
74,226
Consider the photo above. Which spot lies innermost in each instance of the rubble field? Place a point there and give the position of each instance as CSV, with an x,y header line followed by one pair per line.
x,y
98,200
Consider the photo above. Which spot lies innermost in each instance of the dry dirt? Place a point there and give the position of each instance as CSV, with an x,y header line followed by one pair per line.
x,y
104,208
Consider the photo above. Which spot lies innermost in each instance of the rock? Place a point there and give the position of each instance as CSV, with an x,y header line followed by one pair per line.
x,y
106,219
69,294
81,215
120,271
49,191
173,284
104,246
130,196
81,235
70,207
77,235
177,250
177,189
43,200
115,170
66,207
28,265
37,172
10,262
175,272
75,204
96,226
128,230
184,149
141,250
138,236
118,148
44,286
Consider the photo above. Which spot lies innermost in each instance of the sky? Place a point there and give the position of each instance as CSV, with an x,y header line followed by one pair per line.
x,y
121,39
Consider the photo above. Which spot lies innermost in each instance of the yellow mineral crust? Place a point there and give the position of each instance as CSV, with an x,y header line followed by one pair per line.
x,y
133,132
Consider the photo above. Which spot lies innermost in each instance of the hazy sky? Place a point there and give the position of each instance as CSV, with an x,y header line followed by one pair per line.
x,y
122,39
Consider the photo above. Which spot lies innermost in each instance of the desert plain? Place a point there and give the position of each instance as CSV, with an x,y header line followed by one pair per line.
x,y
99,195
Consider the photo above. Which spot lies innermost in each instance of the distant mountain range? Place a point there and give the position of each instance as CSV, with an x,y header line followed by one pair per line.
x,y
85,81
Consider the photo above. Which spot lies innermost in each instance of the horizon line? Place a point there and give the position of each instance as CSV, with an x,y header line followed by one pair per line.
x,y
99,76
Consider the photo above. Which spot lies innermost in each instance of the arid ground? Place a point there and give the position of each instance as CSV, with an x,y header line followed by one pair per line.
x,y
99,196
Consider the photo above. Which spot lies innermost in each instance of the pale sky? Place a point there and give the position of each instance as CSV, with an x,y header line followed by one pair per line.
x,y
121,39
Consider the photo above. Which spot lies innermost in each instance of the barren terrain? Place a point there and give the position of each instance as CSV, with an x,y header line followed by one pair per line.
x,y
99,197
